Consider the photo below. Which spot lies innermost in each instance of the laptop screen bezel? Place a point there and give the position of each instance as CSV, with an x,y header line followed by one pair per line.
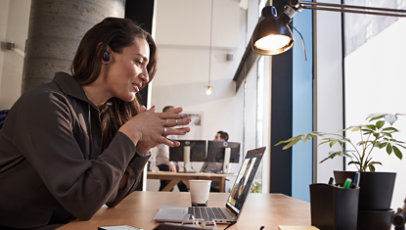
x,y
230,206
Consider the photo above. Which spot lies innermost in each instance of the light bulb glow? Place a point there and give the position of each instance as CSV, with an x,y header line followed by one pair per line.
x,y
209,89
272,42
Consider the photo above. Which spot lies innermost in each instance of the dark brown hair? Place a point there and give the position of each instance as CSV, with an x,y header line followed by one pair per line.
x,y
116,33
223,135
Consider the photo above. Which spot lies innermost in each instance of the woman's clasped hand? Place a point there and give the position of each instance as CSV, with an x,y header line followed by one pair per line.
x,y
149,128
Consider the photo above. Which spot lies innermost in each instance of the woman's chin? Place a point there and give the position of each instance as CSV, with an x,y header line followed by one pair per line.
x,y
129,98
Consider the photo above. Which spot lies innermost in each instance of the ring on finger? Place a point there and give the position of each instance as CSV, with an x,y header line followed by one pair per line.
x,y
176,121
166,121
165,129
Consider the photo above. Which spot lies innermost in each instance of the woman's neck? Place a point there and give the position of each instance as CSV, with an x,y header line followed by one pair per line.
x,y
96,94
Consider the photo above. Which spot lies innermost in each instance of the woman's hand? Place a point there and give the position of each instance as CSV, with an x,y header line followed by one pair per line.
x,y
148,128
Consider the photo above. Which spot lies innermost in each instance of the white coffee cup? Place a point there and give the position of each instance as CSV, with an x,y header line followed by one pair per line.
x,y
199,192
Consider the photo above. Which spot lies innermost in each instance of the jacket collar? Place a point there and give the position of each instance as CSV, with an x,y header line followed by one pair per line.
x,y
71,87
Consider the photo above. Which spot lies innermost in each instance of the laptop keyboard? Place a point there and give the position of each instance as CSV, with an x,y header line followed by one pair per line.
x,y
206,213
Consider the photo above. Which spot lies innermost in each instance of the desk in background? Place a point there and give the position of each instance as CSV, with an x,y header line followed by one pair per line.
x,y
138,209
175,178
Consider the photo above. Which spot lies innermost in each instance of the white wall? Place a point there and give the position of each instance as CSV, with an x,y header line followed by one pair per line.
x,y
375,82
183,61
14,17
328,77
182,33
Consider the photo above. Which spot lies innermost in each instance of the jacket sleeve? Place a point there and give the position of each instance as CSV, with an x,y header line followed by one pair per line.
x,y
47,140
134,172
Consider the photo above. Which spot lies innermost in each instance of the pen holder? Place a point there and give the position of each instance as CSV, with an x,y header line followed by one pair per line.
x,y
333,208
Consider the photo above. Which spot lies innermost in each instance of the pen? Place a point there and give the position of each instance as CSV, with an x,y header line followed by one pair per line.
x,y
331,180
355,183
347,183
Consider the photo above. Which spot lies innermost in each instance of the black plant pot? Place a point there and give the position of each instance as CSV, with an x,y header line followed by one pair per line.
x,y
376,188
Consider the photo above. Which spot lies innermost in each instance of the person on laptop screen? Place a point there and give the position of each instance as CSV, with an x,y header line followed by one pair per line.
x,y
238,190
70,146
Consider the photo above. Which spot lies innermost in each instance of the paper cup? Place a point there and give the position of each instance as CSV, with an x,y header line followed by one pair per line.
x,y
199,192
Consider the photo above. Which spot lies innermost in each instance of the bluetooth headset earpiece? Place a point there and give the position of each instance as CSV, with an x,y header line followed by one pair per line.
x,y
106,56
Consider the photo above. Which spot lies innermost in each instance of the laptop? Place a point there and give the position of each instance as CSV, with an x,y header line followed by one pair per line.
x,y
233,206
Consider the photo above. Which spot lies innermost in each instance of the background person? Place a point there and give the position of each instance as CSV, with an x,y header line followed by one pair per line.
x,y
69,146
215,167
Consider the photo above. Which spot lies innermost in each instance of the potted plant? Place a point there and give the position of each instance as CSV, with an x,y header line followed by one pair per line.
x,y
376,188
377,134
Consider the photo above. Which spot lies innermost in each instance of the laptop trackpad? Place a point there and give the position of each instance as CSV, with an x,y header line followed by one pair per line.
x,y
171,213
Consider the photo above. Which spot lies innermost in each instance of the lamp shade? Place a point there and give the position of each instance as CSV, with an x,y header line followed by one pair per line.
x,y
272,35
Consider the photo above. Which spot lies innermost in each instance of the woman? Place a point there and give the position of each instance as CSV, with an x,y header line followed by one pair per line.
x,y
81,141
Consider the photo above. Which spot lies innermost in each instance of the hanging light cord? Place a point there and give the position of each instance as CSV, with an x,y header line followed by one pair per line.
x,y
211,31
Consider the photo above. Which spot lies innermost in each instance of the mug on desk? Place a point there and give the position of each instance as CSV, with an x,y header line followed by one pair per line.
x,y
199,192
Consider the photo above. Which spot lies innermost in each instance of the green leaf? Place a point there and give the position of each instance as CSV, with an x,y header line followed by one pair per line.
x,y
354,163
375,163
391,129
376,135
402,146
371,168
367,131
371,165
387,134
382,145
373,127
373,117
288,140
332,143
397,152
331,156
379,124
389,148
291,144
356,128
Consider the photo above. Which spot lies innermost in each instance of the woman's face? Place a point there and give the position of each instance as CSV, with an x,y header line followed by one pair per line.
x,y
127,72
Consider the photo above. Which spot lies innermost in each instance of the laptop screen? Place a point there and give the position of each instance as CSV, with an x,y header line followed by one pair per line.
x,y
245,179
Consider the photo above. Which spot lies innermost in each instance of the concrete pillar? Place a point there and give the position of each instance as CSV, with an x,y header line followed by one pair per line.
x,y
55,30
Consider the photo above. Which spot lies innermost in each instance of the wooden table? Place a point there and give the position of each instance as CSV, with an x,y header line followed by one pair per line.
x,y
175,178
138,209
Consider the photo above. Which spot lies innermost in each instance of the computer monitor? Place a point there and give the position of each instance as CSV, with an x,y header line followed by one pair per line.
x,y
187,151
223,151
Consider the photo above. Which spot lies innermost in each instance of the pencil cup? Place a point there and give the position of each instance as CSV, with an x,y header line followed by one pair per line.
x,y
333,208
199,192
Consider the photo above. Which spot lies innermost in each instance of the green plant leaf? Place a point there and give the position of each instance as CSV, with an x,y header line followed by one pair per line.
x,y
354,163
387,134
288,140
379,124
401,146
389,148
356,128
293,142
397,152
332,143
331,156
373,127
373,117
391,129
382,145
371,168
